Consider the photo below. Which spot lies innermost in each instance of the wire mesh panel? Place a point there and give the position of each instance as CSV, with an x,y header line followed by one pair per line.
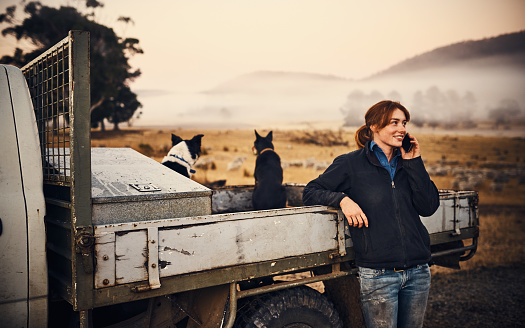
x,y
59,85
49,83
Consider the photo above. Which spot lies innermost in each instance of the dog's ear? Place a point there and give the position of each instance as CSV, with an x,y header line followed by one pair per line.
x,y
269,137
175,139
194,145
197,139
257,136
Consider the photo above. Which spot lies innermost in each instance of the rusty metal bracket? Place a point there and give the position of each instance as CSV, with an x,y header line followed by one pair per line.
x,y
341,219
152,263
457,207
153,258
84,243
340,234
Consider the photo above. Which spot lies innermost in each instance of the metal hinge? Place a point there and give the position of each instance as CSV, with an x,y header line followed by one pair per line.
x,y
84,242
456,222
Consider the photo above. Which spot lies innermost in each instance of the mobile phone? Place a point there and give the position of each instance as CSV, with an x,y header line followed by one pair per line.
x,y
407,145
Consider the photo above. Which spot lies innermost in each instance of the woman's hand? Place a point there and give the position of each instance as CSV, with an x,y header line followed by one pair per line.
x,y
353,213
414,152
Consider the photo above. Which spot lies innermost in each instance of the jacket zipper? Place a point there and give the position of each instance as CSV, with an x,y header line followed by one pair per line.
x,y
400,225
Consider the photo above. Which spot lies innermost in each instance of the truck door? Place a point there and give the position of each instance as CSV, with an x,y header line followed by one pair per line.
x,y
23,270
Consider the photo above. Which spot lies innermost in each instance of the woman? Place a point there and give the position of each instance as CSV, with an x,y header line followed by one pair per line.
x,y
382,191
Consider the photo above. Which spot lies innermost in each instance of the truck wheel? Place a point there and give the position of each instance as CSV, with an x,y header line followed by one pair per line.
x,y
300,307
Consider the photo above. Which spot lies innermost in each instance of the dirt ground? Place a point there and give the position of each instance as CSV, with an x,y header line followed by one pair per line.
x,y
482,297
489,289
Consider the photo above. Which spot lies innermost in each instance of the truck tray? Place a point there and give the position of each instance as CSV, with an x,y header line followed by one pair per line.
x,y
150,250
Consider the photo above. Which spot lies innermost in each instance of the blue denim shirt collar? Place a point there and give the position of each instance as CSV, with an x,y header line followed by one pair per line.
x,y
390,167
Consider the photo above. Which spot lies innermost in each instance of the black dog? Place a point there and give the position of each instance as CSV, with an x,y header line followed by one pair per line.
x,y
268,192
183,154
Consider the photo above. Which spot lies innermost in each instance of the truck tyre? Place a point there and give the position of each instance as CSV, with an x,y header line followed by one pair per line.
x,y
300,307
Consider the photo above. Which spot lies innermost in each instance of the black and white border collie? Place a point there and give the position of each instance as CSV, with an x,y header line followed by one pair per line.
x,y
268,193
183,154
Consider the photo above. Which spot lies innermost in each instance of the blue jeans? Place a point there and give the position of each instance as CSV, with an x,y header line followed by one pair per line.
x,y
394,299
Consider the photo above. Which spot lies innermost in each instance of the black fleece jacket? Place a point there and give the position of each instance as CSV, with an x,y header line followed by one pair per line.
x,y
395,237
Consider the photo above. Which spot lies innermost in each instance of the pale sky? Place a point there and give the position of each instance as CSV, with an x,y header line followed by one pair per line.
x,y
193,45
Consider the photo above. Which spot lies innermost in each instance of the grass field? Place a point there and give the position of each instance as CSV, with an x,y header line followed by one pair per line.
x,y
494,166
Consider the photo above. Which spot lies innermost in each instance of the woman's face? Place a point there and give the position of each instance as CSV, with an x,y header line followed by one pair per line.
x,y
391,136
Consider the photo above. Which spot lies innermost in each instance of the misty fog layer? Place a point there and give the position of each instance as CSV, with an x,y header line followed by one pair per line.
x,y
466,91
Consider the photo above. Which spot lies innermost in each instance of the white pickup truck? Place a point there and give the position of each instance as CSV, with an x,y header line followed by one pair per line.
x,y
107,237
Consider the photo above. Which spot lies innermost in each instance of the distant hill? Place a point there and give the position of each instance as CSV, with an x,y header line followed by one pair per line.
x,y
274,95
509,47
273,81
460,82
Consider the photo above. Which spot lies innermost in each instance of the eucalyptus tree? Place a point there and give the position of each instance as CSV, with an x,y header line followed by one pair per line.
x,y
111,73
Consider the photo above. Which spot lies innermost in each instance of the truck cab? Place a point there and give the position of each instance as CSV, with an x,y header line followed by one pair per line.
x,y
23,271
